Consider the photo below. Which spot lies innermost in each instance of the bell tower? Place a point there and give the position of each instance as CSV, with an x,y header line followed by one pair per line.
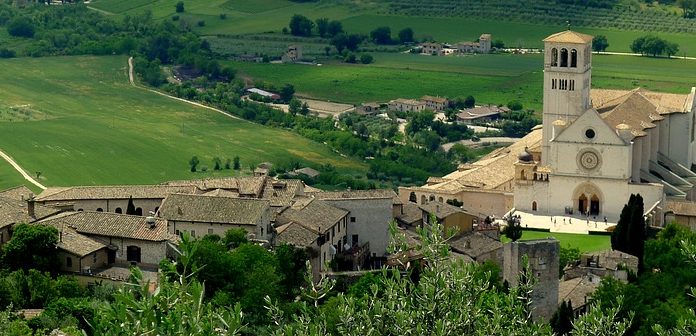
x,y
567,77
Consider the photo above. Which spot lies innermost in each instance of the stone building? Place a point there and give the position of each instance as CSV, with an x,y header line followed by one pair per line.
x,y
406,105
80,254
543,259
146,198
15,211
370,212
452,218
129,239
199,215
316,225
478,246
594,149
436,104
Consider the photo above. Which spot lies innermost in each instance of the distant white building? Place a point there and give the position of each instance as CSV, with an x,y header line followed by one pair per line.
x,y
406,105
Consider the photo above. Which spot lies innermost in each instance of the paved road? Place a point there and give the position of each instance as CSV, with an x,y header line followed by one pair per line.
x,y
16,166
498,140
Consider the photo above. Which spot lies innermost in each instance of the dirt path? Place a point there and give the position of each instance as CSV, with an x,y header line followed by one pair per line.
x,y
16,166
131,78
632,54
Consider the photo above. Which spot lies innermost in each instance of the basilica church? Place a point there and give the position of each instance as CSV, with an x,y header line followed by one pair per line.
x,y
593,150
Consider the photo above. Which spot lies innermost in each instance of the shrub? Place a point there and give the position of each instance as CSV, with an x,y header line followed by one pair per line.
x,y
366,59
200,23
21,27
7,53
223,16
180,7
175,18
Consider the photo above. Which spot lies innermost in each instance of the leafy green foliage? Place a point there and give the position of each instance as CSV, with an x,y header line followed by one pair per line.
x,y
381,35
653,45
567,255
32,247
599,43
513,229
562,319
300,25
179,7
406,35
21,27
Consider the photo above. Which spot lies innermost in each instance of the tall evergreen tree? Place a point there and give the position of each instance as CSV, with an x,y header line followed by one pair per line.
x,y
630,234
130,209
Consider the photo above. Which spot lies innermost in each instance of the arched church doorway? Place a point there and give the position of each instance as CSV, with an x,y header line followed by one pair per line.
x,y
594,205
412,197
582,203
534,206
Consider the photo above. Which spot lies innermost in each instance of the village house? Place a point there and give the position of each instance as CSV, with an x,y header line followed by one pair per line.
x,y
312,173
450,216
313,224
615,264
80,254
292,54
368,108
146,198
135,240
436,104
406,105
410,216
431,48
578,292
200,215
482,46
479,246
480,114
369,215
15,211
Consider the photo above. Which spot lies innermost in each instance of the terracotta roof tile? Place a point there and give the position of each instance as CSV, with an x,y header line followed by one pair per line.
x,y
213,209
441,210
112,192
475,244
295,234
20,193
313,214
77,244
110,225
15,211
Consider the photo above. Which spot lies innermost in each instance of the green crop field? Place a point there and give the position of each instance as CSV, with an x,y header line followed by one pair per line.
x,y
585,243
495,79
249,17
92,127
9,177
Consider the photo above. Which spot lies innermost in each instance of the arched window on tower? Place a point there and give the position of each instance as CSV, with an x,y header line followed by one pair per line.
x,y
573,58
554,57
564,58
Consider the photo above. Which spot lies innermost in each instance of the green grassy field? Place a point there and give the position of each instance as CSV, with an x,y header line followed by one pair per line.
x,y
245,17
495,79
95,128
9,177
585,243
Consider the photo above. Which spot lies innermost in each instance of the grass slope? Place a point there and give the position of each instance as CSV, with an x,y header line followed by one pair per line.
x,y
9,177
98,129
495,79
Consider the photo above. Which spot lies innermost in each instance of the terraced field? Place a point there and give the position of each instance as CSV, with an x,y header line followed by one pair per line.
x,y
98,129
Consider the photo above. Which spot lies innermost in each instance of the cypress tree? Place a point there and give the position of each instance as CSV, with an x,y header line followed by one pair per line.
x,y
629,234
130,210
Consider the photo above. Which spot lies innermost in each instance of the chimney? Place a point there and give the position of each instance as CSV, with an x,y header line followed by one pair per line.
x,y
150,221
31,208
624,132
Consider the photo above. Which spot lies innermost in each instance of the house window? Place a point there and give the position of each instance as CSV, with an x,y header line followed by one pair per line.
x,y
261,232
573,58
352,219
178,233
553,84
333,231
355,239
100,210
68,262
193,233
139,211
94,257
133,253
554,57
80,209
118,210
210,231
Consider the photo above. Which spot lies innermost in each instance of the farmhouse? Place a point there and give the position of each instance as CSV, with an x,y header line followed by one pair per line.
x,y
292,54
482,46
435,103
480,114
594,149
432,48
406,105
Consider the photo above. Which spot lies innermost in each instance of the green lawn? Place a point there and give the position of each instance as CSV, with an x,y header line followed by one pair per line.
x,y
9,177
585,243
495,79
92,127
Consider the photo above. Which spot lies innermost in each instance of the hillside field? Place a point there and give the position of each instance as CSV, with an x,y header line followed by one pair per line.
x,y
259,16
88,125
494,79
